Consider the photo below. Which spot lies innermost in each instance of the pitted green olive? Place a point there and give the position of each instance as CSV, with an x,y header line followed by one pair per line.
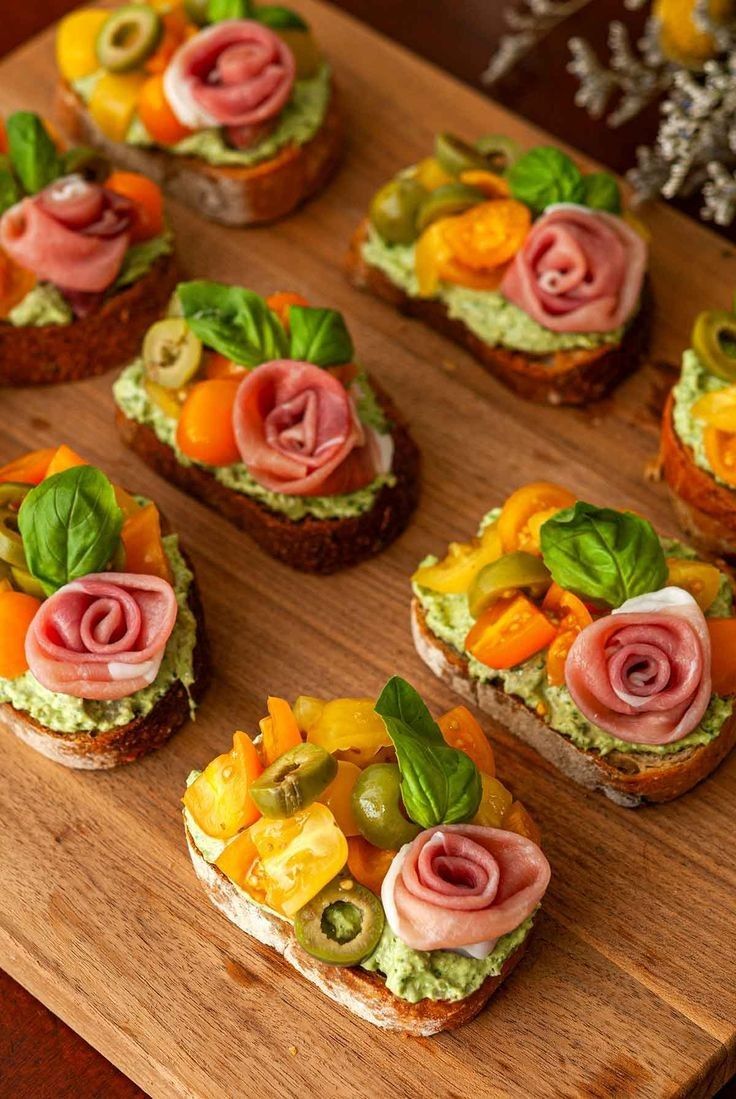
x,y
127,37
512,572
342,924
449,199
714,342
294,781
376,807
456,155
23,581
500,152
11,543
171,352
394,210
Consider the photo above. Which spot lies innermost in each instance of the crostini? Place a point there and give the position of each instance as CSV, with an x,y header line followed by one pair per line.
x,y
698,442
86,259
230,106
376,850
103,654
256,407
608,649
522,259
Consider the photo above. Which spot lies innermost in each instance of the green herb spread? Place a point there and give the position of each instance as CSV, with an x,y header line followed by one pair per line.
x,y
65,714
131,396
450,620
695,381
487,313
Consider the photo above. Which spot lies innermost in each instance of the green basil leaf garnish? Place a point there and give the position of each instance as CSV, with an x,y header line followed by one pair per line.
x,y
319,336
280,18
601,192
603,555
10,192
217,10
544,176
70,525
234,321
439,784
32,152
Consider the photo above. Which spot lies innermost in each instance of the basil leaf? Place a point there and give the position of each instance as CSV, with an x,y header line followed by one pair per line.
x,y
234,321
543,176
601,192
32,152
10,192
603,555
280,18
217,10
319,336
70,525
439,784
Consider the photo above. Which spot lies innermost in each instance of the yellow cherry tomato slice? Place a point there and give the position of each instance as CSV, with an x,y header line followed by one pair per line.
x,y
114,101
219,798
454,574
461,730
352,727
494,803
516,526
518,819
702,580
76,38
720,450
718,409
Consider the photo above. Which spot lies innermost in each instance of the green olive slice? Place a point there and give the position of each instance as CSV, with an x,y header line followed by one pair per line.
x,y
13,493
714,342
171,352
510,573
449,199
23,581
456,155
342,924
376,806
197,11
127,37
499,152
294,781
394,209
11,543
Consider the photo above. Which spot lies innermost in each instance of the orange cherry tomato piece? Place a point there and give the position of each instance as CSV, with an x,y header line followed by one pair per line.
x,y
30,469
127,504
338,797
723,655
279,730
570,616
144,548
156,114
218,366
15,283
241,862
509,632
3,137
720,449
461,730
64,458
17,611
489,234
516,528
368,864
518,820
219,798
205,430
281,302
176,31
148,199
492,185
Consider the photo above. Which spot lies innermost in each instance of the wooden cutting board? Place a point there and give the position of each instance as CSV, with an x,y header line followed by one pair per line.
x,y
630,987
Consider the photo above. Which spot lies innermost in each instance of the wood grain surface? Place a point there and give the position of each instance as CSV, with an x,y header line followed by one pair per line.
x,y
629,989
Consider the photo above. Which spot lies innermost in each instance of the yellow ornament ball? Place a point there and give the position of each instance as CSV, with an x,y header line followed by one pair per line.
x,y
680,37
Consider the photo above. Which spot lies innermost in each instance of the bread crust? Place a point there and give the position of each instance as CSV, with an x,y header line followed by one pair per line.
x,y
363,993
226,194
108,337
309,544
126,743
629,779
565,377
704,508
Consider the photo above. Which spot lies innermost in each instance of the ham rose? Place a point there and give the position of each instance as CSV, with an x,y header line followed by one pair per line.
x,y
462,886
298,432
73,233
102,637
643,672
237,73
579,270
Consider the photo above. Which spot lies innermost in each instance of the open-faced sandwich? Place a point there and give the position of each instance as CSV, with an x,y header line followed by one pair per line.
x,y
86,259
376,850
608,649
102,647
522,259
698,443
227,104
257,407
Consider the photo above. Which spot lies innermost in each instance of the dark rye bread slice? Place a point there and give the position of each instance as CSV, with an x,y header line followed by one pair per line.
x,y
106,338
363,993
564,377
230,195
628,779
309,544
704,508
126,743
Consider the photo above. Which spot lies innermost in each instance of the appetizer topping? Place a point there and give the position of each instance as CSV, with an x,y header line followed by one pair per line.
x,y
293,781
237,74
463,886
377,807
220,798
578,271
642,673
102,637
341,925
17,611
127,37
713,339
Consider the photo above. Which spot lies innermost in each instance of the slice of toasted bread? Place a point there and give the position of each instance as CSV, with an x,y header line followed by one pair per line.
x,y
363,993
628,778
125,743
704,508
106,338
230,195
565,377
309,544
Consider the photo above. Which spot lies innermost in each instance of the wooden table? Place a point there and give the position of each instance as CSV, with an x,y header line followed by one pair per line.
x,y
605,1004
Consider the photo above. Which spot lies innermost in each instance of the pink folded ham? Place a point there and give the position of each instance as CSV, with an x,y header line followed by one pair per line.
x,y
298,432
73,233
643,672
237,73
579,270
102,637
460,886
